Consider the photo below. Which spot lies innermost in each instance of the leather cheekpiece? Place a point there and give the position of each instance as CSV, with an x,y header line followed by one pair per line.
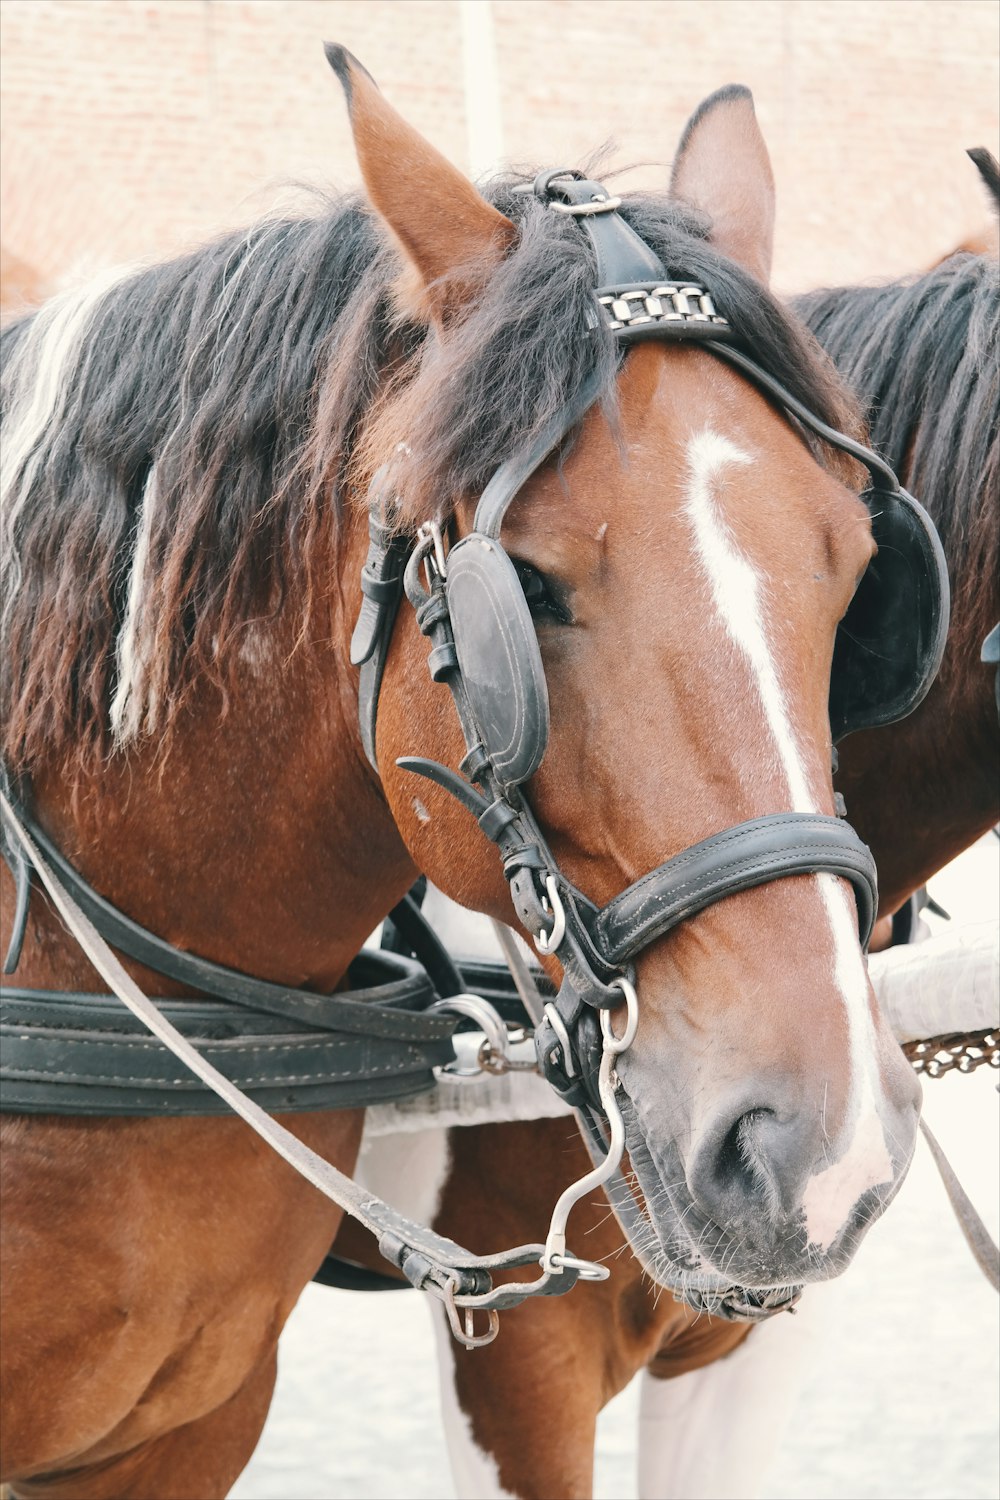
x,y
498,656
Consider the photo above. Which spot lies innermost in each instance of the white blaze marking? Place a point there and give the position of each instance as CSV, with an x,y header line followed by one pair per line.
x,y
867,1163
736,593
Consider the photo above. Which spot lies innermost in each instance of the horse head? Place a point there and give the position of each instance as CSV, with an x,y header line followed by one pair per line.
x,y
684,553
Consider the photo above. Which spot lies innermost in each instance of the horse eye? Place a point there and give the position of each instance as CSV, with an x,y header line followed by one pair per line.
x,y
542,595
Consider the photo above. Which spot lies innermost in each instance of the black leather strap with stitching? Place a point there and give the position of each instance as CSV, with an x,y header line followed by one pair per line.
x,y
288,1049
747,855
87,1055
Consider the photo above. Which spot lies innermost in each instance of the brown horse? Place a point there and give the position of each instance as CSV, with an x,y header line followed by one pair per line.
x,y
182,563
923,354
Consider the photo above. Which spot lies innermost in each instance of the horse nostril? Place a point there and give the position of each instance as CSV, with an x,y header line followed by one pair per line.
x,y
754,1161
737,1167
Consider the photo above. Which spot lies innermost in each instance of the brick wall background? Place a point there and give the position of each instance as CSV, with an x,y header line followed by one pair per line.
x,y
132,128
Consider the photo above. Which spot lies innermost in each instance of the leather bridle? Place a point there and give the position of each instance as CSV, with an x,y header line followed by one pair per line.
x,y
594,946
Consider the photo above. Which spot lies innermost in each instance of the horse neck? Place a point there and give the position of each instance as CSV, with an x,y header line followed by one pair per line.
x,y
262,839
922,790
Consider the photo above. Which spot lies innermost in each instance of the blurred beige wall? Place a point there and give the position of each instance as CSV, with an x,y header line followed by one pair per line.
x,y
132,128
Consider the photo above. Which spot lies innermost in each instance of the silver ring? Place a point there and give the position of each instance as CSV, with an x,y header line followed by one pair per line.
x,y
588,1270
487,1019
617,1044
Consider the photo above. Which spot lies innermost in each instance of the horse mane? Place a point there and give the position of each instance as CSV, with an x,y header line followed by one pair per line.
x,y
180,440
922,355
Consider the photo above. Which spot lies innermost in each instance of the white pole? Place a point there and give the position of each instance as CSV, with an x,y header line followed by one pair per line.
x,y
483,112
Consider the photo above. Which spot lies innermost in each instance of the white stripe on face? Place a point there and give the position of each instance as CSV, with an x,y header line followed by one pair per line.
x,y
867,1163
737,596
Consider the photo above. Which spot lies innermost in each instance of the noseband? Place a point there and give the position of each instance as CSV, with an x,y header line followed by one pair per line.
x,y
472,608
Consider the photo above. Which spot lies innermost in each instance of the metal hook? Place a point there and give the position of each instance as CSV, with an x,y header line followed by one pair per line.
x,y
486,1017
555,1257
464,1330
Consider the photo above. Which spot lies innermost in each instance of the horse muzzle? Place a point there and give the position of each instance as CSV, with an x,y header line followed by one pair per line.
x,y
755,1206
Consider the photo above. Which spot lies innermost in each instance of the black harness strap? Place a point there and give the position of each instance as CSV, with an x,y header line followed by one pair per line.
x,y
348,1276
288,1049
76,1054
747,855
393,1011
407,930
428,1260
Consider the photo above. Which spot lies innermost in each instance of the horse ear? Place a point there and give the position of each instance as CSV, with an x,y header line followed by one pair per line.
x,y
989,170
450,234
722,167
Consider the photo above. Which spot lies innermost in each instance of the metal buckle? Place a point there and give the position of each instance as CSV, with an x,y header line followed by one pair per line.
x,y
584,210
430,539
558,1025
465,1329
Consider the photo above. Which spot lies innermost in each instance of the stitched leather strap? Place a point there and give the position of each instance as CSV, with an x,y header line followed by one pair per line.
x,y
86,1055
748,855
619,253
